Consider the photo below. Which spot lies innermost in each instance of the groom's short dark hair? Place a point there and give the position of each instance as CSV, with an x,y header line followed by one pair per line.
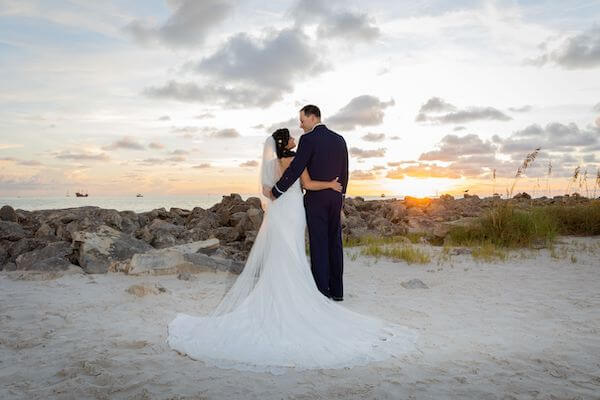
x,y
310,109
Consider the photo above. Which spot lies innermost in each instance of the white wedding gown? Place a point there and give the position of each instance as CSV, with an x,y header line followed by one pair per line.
x,y
274,317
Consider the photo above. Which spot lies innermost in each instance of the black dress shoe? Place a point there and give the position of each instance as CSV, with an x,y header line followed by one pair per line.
x,y
337,298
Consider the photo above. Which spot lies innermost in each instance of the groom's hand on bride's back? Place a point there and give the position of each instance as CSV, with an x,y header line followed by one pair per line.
x,y
335,184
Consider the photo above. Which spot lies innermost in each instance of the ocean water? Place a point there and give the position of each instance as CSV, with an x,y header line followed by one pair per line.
x,y
120,203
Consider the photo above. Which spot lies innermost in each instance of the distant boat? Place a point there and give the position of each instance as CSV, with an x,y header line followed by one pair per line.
x,y
382,195
81,194
139,195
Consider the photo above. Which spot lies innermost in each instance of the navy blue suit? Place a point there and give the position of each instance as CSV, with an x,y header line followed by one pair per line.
x,y
325,154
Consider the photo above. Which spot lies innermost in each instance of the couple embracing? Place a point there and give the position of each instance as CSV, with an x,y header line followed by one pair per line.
x,y
282,311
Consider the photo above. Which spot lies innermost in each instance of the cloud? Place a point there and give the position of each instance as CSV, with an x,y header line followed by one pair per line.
x,y
202,166
156,145
378,168
398,163
352,26
433,109
553,137
187,26
125,143
423,171
292,124
359,175
206,115
373,137
463,116
251,163
231,97
360,153
28,163
263,69
470,156
467,156
81,156
525,108
596,108
259,71
179,152
164,118
436,105
394,137
580,51
452,147
225,134
363,110
153,161
459,128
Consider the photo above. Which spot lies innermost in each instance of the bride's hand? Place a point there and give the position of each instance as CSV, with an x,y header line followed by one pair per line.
x,y
336,185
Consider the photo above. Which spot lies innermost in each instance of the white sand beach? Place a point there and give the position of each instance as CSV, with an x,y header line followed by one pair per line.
x,y
524,328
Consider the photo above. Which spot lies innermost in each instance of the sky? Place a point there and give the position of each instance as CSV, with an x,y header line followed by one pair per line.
x,y
177,97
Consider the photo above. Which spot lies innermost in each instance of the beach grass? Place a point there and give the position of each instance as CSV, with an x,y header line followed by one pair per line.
x,y
406,253
578,220
509,227
506,226
351,241
488,252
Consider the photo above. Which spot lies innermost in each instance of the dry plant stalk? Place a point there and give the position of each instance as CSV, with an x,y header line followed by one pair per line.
x,y
521,170
548,177
584,179
573,178
597,181
493,181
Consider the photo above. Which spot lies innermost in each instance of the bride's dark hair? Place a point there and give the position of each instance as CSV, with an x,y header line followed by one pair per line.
x,y
282,136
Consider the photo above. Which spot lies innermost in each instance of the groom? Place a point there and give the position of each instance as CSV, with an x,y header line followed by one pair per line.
x,y
325,155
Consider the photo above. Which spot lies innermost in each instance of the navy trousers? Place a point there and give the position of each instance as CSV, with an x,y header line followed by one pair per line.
x,y
325,234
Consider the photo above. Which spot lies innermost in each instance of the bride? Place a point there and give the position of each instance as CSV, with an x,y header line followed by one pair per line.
x,y
274,317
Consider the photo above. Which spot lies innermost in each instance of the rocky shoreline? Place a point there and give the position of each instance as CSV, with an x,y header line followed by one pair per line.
x,y
95,240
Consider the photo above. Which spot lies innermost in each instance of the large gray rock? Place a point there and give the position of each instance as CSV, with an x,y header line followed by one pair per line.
x,y
236,218
24,246
255,215
395,212
420,225
98,251
249,240
46,231
200,262
3,255
254,202
11,231
160,225
46,258
7,213
54,264
414,284
169,260
129,221
227,234
162,239
202,220
164,234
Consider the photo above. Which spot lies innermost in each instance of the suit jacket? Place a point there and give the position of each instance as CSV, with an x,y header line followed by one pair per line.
x,y
324,153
